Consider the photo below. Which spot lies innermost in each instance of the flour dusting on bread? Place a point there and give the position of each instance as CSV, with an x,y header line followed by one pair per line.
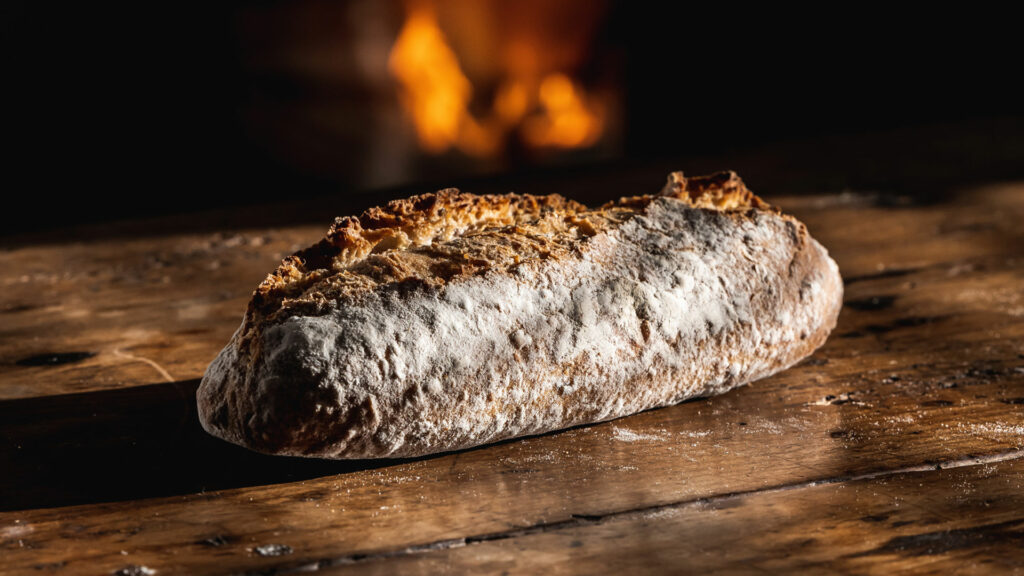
x,y
448,320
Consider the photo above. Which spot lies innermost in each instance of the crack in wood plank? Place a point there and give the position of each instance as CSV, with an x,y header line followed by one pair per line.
x,y
579,520
943,541
160,369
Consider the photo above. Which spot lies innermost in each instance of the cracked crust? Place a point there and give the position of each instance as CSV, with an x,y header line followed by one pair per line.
x,y
448,320
444,236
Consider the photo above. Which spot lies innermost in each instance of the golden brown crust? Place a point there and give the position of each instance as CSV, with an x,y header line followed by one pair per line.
x,y
424,220
440,237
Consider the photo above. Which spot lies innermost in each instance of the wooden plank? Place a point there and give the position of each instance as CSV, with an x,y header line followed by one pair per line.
x,y
968,520
926,366
110,314
870,415
966,371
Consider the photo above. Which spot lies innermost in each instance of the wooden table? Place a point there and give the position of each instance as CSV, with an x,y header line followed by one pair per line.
x,y
898,446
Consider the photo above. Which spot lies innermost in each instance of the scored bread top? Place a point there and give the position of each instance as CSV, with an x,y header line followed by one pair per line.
x,y
441,237
448,320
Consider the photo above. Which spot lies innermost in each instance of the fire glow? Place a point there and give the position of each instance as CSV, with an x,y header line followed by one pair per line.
x,y
544,110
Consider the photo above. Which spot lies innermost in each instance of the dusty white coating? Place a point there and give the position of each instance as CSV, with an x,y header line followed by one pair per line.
x,y
675,303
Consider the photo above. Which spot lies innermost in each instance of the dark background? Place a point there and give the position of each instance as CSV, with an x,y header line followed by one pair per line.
x,y
129,110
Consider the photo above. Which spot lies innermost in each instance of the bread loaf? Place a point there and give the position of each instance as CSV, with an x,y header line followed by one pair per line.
x,y
449,320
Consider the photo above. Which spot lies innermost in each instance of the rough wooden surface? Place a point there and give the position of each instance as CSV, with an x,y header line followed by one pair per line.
x,y
944,522
898,446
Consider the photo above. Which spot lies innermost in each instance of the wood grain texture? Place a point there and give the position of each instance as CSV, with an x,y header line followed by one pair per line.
x,y
134,311
966,520
106,468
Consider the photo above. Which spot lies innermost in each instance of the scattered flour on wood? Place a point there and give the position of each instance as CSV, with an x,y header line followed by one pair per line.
x,y
762,426
624,435
998,428
903,418
545,457
836,400
661,513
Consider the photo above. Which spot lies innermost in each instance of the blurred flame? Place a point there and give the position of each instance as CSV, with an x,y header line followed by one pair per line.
x,y
435,91
553,112
512,102
568,121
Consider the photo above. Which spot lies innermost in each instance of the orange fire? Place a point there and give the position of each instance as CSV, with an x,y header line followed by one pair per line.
x,y
567,121
547,112
435,91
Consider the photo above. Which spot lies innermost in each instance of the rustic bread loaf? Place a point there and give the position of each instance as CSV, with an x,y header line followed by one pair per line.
x,y
449,320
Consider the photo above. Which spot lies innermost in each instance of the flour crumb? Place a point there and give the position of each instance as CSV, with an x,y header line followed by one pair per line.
x,y
998,429
661,513
135,570
273,550
624,435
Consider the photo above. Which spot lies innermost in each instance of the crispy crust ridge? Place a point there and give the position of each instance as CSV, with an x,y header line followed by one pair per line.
x,y
442,236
